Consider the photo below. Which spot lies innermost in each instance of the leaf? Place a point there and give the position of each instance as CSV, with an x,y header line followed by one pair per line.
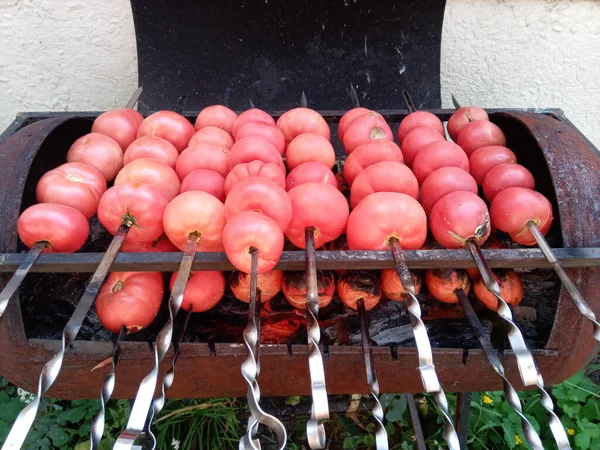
x,y
582,440
82,446
58,436
293,400
591,410
369,439
10,410
509,435
389,428
397,409
75,415
371,427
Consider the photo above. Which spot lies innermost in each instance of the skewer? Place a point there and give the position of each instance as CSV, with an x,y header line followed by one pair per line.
x,y
408,100
416,422
51,369
303,101
354,96
455,102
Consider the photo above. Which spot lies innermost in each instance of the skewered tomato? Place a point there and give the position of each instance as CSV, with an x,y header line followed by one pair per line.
x,y
247,230
384,176
368,154
250,115
308,147
504,176
149,171
437,155
392,288
463,116
511,289
486,158
364,129
152,147
130,299
254,148
255,168
98,151
302,120
309,202
416,140
347,118
419,119
160,245
195,214
204,180
212,135
443,181
77,185
269,284
442,284
139,205
295,288
62,228
480,133
216,116
203,156
460,216
119,124
267,130
384,216
312,171
170,126
204,289
355,285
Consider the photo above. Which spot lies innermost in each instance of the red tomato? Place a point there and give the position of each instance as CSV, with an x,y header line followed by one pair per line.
x,y
419,119
160,245
198,214
295,288
254,148
308,172
416,140
269,284
212,135
392,288
383,216
463,116
514,207
504,176
384,176
141,205
203,156
203,291
368,154
250,229
170,126
260,195
308,147
302,120
119,124
442,284
77,185
444,181
459,216
64,229
480,133
152,147
250,115
484,159
130,299
355,285
216,116
100,152
347,118
437,155
204,180
150,171
267,130
364,129
309,203
511,289
254,168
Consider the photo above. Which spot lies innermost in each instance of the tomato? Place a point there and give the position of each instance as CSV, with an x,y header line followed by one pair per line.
x,y
384,176
269,284
159,245
392,288
77,185
170,126
312,171
204,180
260,195
308,147
355,285
459,216
212,135
514,207
365,128
480,133
152,147
504,176
204,289
416,140
511,289
463,116
442,284
254,168
150,171
130,299
98,151
267,130
250,115
253,148
317,205
437,155
302,120
64,229
216,116
119,124
419,119
368,154
198,214
347,118
203,156
247,230
444,181
384,216
295,288
486,158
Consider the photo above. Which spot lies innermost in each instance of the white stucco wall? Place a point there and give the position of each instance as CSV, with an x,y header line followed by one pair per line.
x,y
81,55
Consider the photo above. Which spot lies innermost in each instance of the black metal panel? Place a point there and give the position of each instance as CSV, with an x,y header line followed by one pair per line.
x,y
270,51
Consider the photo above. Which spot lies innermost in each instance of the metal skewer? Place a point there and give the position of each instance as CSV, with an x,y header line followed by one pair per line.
x,y
416,422
303,101
408,100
